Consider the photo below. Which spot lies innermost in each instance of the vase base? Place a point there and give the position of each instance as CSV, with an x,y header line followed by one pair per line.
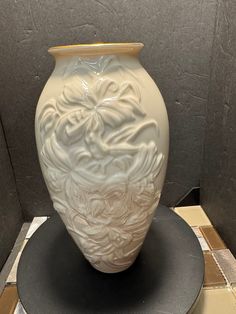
x,y
108,270
52,267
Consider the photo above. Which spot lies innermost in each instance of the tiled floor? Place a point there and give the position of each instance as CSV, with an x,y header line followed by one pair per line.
x,y
234,291
219,292
218,295
9,300
216,301
193,215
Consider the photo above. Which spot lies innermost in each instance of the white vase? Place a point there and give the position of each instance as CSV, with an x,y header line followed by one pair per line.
x,y
102,137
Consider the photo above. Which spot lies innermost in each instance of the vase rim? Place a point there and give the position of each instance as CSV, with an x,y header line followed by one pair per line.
x,y
97,49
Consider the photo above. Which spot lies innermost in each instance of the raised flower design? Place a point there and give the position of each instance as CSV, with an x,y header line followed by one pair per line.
x,y
105,103
101,174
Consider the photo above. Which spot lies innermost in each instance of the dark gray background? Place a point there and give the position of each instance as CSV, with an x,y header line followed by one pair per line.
x,y
10,211
179,54
219,166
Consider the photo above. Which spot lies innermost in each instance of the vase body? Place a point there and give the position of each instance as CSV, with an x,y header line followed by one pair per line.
x,y
102,136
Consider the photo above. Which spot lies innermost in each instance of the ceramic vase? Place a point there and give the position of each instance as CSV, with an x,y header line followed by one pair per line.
x,y
102,136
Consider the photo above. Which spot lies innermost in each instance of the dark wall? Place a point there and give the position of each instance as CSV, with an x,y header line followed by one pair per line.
x,y
219,166
178,37
10,211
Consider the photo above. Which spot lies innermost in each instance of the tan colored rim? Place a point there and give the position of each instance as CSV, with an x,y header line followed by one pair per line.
x,y
96,49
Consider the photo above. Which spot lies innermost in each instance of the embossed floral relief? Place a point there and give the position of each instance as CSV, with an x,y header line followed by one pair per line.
x,y
97,169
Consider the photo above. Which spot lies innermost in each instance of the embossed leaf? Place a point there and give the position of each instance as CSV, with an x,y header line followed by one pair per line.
x,y
115,117
96,205
74,94
60,205
143,175
54,156
106,89
71,127
55,179
98,65
147,162
130,94
71,189
127,88
48,118
117,104
92,66
119,238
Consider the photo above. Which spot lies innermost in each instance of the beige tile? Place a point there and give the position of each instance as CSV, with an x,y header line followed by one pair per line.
x,y
193,215
13,273
216,301
36,223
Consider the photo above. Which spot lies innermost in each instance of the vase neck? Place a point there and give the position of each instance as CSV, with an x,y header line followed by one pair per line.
x,y
99,49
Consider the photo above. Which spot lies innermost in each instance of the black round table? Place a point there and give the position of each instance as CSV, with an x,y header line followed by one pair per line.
x,y
167,277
